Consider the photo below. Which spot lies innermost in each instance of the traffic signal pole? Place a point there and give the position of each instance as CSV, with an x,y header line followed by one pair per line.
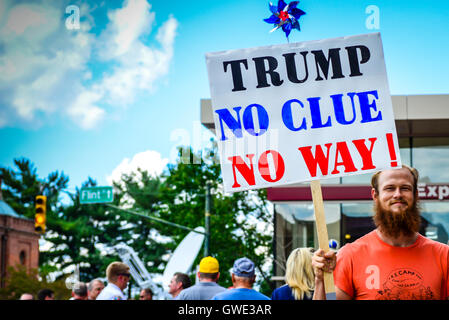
x,y
155,219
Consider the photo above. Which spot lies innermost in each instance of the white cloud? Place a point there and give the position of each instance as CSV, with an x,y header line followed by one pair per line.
x,y
17,24
30,22
166,34
150,161
41,62
128,24
43,65
137,65
85,111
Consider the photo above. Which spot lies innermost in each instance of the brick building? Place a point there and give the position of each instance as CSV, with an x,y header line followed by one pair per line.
x,y
19,243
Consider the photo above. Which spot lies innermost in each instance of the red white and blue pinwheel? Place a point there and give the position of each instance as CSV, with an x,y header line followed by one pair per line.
x,y
285,16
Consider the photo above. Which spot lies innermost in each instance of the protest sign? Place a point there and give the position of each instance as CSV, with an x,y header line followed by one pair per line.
x,y
303,111
300,112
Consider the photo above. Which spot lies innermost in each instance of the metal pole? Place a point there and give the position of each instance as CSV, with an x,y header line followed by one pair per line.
x,y
154,218
207,221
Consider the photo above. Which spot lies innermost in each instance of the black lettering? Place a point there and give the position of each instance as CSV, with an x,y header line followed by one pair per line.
x,y
291,67
354,60
236,71
323,63
261,71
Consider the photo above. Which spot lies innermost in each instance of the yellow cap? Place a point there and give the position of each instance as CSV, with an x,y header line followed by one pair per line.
x,y
209,265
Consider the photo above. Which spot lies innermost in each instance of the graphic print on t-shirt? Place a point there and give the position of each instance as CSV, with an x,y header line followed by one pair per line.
x,y
404,284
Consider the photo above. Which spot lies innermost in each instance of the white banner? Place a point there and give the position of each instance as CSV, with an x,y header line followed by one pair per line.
x,y
302,111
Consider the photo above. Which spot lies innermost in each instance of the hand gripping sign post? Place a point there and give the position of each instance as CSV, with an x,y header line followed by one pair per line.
x,y
302,112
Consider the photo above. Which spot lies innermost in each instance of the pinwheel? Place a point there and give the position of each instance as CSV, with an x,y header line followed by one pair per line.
x,y
285,16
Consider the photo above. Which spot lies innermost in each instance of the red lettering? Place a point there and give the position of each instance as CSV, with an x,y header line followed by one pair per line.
x,y
343,151
319,159
245,171
366,154
278,165
390,142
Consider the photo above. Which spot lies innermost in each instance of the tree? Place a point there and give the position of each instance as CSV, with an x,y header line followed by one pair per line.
x,y
23,185
20,280
83,235
75,233
241,225
140,192
92,230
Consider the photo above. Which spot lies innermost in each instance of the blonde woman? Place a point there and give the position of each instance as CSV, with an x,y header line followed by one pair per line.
x,y
299,277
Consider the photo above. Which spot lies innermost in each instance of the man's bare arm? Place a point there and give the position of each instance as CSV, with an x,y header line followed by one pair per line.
x,y
322,262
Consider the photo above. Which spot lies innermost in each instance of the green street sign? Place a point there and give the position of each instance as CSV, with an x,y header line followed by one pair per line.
x,y
96,195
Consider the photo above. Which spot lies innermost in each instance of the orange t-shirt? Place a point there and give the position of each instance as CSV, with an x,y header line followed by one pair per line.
x,y
370,269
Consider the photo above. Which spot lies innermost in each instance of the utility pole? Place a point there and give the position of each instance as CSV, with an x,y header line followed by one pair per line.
x,y
207,221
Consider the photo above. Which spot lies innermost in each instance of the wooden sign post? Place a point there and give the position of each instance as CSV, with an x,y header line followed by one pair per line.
x,y
323,238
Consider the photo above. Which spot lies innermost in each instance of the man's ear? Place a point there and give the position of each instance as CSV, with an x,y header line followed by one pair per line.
x,y
374,193
218,276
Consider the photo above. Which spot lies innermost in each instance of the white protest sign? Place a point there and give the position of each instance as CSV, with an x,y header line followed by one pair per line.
x,y
302,111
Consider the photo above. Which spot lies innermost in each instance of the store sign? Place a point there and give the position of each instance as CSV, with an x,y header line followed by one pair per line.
x,y
433,191
341,192
302,111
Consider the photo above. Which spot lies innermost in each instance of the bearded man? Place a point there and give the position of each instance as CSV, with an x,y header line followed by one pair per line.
x,y
393,261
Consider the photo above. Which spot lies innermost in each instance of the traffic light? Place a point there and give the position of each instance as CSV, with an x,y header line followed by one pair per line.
x,y
40,216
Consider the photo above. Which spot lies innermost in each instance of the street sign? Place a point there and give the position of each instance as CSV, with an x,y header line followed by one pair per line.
x,y
96,195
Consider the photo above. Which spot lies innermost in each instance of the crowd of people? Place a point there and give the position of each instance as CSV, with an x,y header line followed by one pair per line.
x,y
299,279
391,262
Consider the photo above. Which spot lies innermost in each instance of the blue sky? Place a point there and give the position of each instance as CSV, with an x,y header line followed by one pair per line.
x,y
124,89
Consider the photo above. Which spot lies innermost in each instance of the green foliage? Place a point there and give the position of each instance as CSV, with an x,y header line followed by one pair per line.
x,y
76,238
79,234
21,281
141,192
24,185
72,231
179,197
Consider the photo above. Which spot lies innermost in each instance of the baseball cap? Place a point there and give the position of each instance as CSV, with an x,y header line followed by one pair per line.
x,y
209,265
243,267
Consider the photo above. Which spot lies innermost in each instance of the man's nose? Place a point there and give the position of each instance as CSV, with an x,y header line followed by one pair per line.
x,y
397,193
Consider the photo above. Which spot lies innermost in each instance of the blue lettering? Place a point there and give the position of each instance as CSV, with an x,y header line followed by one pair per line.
x,y
248,121
231,122
344,115
315,112
340,111
287,116
365,106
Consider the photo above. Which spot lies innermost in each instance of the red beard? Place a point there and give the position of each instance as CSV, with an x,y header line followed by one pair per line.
x,y
406,222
